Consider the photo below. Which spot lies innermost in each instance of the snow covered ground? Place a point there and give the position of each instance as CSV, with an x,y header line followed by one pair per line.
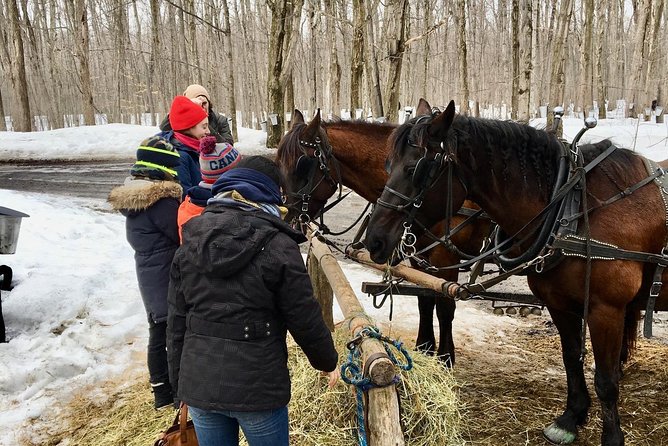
x,y
75,316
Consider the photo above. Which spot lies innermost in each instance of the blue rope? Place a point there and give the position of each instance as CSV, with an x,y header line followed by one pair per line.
x,y
352,373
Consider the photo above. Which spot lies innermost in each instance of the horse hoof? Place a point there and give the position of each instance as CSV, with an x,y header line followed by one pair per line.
x,y
525,311
511,310
557,435
498,311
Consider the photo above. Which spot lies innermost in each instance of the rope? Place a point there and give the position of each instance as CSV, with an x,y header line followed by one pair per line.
x,y
352,370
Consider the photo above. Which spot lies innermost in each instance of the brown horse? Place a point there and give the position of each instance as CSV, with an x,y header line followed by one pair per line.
x,y
353,153
511,170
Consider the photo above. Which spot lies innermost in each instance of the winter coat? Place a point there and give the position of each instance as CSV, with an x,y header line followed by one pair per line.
x,y
150,209
238,283
188,172
192,206
218,126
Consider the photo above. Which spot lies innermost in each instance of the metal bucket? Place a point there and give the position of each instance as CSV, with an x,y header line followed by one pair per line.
x,y
9,233
10,224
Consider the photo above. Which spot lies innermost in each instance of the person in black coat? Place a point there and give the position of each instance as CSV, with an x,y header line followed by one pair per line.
x,y
238,285
218,125
149,200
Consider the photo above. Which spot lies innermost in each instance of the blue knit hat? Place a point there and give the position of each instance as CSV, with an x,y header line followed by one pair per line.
x,y
156,159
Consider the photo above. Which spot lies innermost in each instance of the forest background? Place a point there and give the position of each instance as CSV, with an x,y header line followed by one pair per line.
x,y
81,62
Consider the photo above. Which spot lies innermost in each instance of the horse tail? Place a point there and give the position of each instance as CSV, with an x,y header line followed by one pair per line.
x,y
631,318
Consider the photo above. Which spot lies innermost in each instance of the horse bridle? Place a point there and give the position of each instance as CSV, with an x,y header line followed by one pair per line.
x,y
307,166
425,175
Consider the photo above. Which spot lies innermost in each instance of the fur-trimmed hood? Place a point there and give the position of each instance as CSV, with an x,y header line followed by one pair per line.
x,y
140,194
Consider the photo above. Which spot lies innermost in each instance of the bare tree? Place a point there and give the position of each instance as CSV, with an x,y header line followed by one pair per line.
x,y
357,61
557,79
280,62
586,82
23,117
460,24
230,106
396,21
371,62
638,81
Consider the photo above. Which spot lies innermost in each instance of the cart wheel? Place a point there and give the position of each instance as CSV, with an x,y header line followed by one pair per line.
x,y
525,311
498,311
511,310
537,311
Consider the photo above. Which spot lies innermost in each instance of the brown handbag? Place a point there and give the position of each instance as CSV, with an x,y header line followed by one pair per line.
x,y
181,432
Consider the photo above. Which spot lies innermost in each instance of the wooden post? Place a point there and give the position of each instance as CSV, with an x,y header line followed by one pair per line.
x,y
384,426
321,290
447,288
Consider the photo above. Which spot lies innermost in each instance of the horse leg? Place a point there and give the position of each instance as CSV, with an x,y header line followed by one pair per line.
x,y
445,311
564,429
607,334
426,340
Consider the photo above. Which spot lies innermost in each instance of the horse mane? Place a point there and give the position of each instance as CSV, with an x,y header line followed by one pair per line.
x,y
338,123
289,148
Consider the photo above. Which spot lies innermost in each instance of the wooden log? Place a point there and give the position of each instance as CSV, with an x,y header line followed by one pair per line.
x,y
321,290
448,289
383,403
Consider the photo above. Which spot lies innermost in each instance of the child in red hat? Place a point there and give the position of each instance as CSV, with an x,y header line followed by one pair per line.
x,y
190,123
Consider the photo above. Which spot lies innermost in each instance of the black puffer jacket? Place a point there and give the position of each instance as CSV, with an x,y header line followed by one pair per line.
x,y
151,208
238,283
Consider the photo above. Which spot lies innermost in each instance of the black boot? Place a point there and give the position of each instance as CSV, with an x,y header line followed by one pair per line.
x,y
162,394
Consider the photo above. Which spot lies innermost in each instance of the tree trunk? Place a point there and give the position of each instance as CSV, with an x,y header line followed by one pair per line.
x,y
231,108
460,25
154,60
21,116
371,64
313,72
653,67
83,55
586,69
526,61
515,72
3,124
333,86
357,62
599,87
638,85
557,79
285,22
396,17
275,83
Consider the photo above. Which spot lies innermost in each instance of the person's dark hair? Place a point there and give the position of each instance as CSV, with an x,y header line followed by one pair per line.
x,y
264,165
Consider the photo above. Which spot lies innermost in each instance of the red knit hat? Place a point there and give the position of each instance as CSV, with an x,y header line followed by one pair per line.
x,y
185,114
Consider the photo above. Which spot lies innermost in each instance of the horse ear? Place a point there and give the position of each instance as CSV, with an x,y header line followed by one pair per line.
x,y
423,108
313,127
297,117
441,124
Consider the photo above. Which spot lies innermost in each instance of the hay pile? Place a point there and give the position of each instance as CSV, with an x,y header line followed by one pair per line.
x,y
318,416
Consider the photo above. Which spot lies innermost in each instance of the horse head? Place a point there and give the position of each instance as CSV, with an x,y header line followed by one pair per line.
x,y
422,168
304,156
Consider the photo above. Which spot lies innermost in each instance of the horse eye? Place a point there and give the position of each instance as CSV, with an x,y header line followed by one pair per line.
x,y
409,170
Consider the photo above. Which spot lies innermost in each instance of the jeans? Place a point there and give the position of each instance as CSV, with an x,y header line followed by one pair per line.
x,y
221,428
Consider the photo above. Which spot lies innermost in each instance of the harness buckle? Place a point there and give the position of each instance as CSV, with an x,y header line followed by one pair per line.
x,y
305,200
655,289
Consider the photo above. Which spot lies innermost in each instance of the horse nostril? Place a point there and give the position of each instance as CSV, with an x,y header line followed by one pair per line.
x,y
375,246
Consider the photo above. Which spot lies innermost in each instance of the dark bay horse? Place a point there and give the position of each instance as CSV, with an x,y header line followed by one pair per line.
x,y
359,150
510,170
